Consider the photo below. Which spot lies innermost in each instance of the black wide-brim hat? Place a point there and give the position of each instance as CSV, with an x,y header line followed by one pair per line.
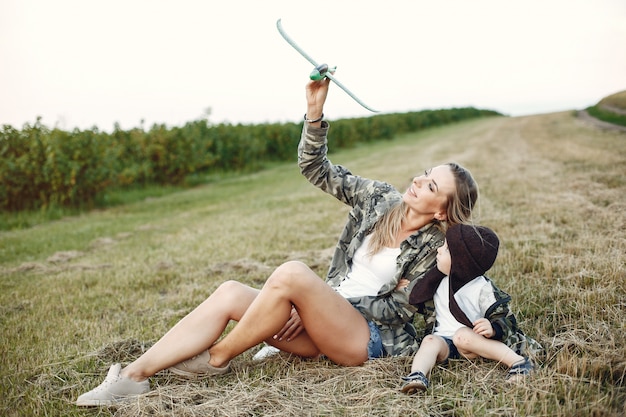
x,y
473,250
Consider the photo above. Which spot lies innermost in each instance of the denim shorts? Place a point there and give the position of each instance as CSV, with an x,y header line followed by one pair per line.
x,y
453,352
375,345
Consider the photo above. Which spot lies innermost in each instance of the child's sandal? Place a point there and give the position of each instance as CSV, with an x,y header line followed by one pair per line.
x,y
520,370
415,381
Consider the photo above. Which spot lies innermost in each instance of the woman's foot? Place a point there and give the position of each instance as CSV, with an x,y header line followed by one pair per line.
x,y
198,367
114,389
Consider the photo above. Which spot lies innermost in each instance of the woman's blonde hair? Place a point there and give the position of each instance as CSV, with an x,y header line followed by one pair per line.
x,y
461,204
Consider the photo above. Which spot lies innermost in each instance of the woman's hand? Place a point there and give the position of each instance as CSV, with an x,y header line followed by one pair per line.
x,y
292,328
484,328
316,93
403,284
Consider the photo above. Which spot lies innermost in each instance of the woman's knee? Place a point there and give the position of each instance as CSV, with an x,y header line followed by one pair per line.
x,y
230,286
231,289
289,275
230,299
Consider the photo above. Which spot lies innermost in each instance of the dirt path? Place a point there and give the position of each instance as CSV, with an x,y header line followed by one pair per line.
x,y
613,109
584,115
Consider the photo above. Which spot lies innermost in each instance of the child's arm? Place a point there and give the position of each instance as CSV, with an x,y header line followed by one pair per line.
x,y
500,316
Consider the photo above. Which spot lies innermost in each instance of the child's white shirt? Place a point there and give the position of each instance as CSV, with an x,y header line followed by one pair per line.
x,y
473,298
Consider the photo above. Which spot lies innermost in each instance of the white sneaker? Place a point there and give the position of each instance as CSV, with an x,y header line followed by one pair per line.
x,y
114,389
198,367
265,352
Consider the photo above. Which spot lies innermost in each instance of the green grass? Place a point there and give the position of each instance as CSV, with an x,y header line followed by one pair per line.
x,y
608,116
83,291
109,199
611,109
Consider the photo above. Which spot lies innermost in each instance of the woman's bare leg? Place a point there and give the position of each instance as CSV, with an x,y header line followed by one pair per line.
x,y
339,329
195,332
333,326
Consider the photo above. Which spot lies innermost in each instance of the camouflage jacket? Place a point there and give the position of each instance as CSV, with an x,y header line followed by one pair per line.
x,y
499,315
389,309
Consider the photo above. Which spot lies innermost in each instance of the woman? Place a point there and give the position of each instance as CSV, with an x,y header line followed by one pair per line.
x,y
356,314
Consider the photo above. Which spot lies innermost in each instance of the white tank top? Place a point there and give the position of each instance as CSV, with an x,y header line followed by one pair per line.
x,y
369,273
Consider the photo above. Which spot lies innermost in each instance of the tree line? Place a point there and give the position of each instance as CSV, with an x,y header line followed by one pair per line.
x,y
42,167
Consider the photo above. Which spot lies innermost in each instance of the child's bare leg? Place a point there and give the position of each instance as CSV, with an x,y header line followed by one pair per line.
x,y
471,345
195,332
433,350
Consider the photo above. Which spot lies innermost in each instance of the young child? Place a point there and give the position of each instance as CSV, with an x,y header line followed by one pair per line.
x,y
467,314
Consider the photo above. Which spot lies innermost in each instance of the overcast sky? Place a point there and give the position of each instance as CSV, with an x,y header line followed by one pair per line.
x,y
85,63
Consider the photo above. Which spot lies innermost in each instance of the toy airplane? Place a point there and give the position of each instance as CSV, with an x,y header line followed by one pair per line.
x,y
321,71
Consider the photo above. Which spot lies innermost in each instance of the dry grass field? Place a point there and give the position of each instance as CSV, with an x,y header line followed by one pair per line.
x,y
81,293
